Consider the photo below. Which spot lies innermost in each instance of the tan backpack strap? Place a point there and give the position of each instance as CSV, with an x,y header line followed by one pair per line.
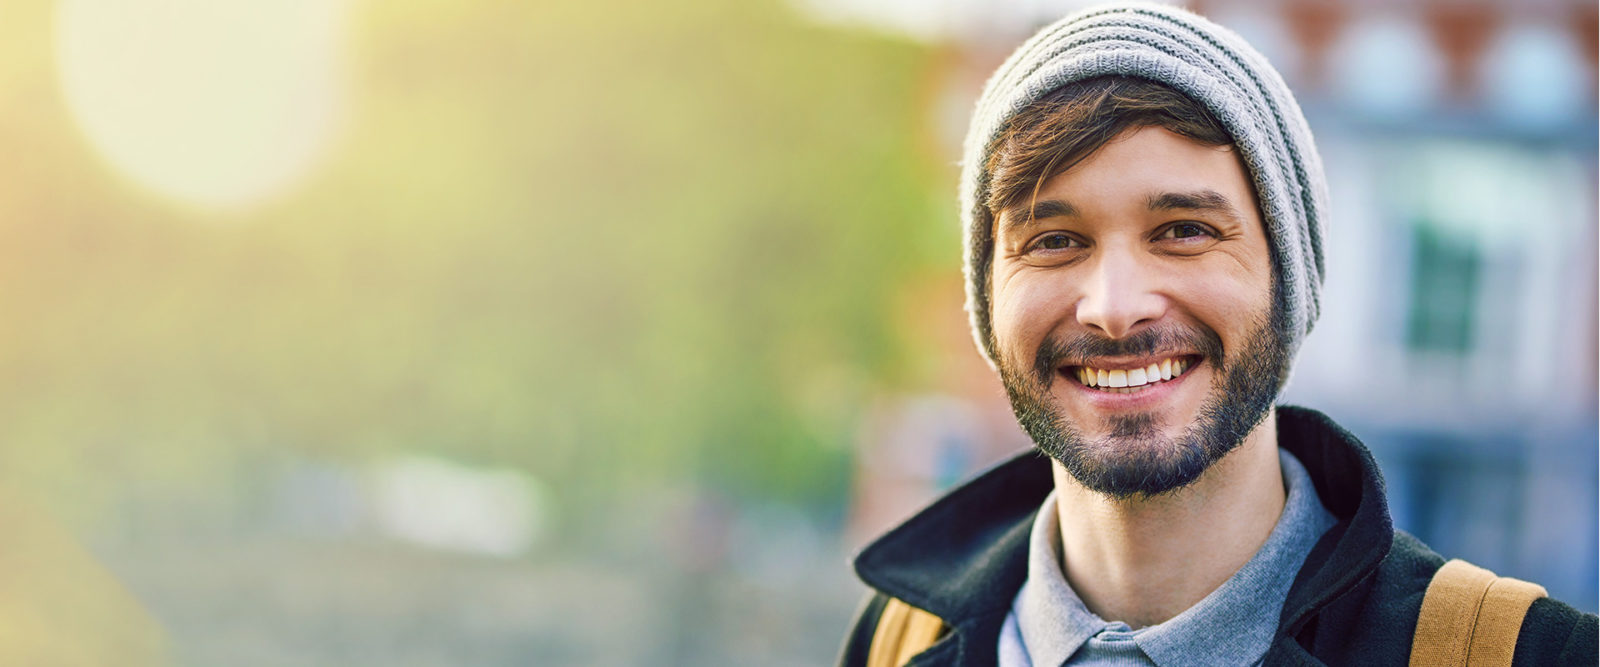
x,y
903,631
1470,617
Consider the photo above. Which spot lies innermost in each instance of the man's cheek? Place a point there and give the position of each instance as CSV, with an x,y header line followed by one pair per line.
x,y
1023,318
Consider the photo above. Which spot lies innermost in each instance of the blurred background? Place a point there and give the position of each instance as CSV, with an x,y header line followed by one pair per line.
x,y
433,332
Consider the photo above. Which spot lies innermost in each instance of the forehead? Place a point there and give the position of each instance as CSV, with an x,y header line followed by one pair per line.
x,y
1143,169
1151,160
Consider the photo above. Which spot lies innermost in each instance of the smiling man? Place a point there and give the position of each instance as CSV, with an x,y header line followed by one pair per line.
x,y
1144,210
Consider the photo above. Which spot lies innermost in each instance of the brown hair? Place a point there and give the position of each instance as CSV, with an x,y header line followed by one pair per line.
x,y
1070,123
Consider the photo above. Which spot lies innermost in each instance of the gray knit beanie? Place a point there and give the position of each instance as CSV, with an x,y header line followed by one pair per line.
x,y
1200,59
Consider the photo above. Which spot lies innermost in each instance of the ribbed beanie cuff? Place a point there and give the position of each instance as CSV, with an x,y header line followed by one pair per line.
x,y
1200,59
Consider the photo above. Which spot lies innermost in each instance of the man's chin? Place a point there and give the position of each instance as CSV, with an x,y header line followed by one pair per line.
x,y
1132,454
1142,464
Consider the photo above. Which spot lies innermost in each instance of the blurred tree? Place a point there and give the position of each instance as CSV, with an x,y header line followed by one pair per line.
x,y
607,242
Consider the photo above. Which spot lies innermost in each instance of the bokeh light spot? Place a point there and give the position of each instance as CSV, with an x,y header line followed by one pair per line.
x,y
221,103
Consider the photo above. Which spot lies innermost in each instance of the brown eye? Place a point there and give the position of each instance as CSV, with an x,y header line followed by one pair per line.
x,y
1185,230
1055,242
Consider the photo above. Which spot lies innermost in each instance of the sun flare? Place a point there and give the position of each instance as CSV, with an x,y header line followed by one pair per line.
x,y
221,103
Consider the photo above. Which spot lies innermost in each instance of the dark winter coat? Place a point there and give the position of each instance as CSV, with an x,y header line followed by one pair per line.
x,y
1354,602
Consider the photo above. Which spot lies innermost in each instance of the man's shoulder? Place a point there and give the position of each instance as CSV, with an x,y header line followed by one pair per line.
x,y
961,558
962,545
1552,633
1377,623
1381,614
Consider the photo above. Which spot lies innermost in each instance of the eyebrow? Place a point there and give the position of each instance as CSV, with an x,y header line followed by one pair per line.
x,y
1022,217
1199,200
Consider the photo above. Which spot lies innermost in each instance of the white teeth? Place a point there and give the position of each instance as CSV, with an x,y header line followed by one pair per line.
x,y
1127,381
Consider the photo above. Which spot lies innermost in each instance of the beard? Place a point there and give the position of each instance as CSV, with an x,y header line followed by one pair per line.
x,y
1135,458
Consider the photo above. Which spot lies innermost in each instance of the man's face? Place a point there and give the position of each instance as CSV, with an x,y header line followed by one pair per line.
x,y
1133,313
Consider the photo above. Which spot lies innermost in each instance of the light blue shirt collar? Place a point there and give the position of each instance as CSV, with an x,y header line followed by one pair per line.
x,y
1235,624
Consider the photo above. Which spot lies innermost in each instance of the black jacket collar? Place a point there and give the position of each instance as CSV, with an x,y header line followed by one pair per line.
x,y
1351,488
964,557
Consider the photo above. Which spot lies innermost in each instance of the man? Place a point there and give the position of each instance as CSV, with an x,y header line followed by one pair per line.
x,y
1144,210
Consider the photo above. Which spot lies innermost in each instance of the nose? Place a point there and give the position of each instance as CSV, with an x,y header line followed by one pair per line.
x,y
1119,294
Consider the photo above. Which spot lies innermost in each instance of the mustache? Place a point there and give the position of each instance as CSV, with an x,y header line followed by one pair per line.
x,y
1055,352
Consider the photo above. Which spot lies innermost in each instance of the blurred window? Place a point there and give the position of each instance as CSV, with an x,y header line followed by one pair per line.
x,y
1444,289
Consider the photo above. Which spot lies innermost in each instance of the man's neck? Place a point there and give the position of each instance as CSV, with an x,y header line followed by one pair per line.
x,y
1146,560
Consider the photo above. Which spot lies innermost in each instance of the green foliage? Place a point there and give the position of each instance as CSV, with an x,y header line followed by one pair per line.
x,y
597,241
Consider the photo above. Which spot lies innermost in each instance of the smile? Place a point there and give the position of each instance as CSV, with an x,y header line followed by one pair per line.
x,y
1129,380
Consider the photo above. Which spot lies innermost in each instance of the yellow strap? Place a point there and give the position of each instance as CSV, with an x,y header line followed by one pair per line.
x,y
1470,617
1494,639
903,631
